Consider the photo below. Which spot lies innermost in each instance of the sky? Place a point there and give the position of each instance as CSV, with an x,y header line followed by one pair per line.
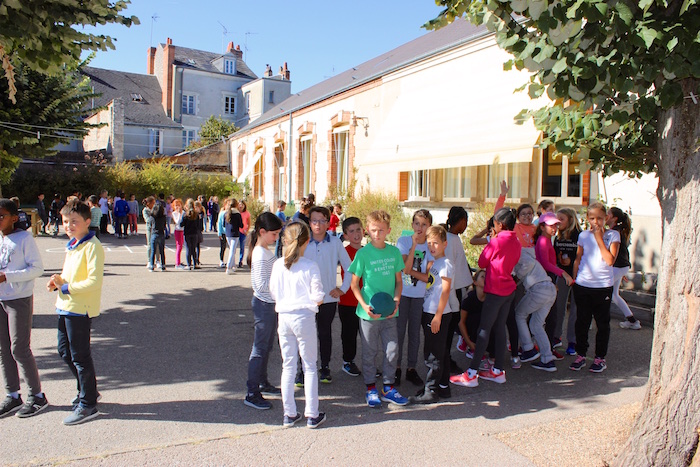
x,y
317,39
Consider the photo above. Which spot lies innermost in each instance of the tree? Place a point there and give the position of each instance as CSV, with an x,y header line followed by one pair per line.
x,y
213,130
624,78
48,111
41,33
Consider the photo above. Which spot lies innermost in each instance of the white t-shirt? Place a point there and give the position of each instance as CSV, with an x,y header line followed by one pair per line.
x,y
104,205
455,253
593,272
441,268
412,287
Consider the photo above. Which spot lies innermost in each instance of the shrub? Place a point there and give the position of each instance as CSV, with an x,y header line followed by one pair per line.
x,y
255,208
367,201
478,218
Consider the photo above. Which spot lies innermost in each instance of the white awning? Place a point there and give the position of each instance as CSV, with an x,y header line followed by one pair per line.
x,y
250,166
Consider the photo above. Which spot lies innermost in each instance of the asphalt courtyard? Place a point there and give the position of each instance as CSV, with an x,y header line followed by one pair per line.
x,y
171,351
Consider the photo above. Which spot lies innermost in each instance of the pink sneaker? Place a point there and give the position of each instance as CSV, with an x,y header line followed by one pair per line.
x,y
491,375
461,344
464,380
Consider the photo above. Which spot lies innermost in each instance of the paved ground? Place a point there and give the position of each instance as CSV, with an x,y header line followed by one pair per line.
x,y
171,350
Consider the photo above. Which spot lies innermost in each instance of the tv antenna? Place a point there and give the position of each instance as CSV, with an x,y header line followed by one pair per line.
x,y
154,17
224,33
245,46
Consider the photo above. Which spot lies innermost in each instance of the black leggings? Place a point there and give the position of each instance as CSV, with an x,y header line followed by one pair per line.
x,y
493,316
223,243
592,303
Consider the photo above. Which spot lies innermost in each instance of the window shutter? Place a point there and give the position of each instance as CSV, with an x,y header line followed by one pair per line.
x,y
403,186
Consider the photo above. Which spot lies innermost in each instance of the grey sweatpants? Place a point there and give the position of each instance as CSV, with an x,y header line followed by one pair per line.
x,y
376,333
538,300
410,312
15,352
563,293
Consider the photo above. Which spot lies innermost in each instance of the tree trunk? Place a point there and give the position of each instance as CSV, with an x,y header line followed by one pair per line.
x,y
667,429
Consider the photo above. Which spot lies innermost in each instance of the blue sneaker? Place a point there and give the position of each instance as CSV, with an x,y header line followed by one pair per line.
x,y
392,395
529,355
372,398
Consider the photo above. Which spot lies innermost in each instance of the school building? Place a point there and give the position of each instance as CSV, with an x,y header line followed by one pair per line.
x,y
431,121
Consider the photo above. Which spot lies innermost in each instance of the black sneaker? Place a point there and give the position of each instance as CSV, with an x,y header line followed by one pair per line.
x,y
290,421
269,390
351,369
325,375
444,392
549,366
315,422
257,401
425,397
9,405
33,406
412,376
397,377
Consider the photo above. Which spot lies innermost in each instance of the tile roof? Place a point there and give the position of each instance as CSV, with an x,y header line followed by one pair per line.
x,y
203,60
455,34
114,84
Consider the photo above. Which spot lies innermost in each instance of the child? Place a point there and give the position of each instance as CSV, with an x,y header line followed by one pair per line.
x,y
333,222
201,216
213,210
121,211
594,276
232,228
327,251
168,214
55,213
620,221
190,224
546,205
347,304
104,207
281,206
265,233
457,220
303,213
416,257
20,264
245,218
565,246
148,204
470,317
499,258
221,231
79,289
379,266
178,231
133,215
524,229
547,257
536,304
95,215
296,288
435,318
158,234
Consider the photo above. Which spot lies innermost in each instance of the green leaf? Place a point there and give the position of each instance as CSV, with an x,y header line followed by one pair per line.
x,y
560,66
672,44
647,35
647,108
645,4
670,95
624,12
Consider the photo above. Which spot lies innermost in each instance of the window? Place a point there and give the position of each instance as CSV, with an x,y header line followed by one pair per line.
x,y
247,102
155,141
306,165
229,67
419,184
340,149
460,182
516,174
271,97
188,136
258,177
554,184
188,104
229,105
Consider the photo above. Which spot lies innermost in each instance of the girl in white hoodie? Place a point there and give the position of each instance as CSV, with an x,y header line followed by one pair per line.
x,y
20,264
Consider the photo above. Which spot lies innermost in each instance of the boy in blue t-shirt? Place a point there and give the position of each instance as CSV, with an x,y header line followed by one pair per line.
x,y
379,265
281,205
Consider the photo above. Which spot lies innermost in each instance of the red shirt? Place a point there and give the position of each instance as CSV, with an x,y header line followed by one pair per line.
x,y
348,298
499,257
333,224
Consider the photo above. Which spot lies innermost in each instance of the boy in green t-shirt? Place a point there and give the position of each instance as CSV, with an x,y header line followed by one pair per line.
x,y
379,265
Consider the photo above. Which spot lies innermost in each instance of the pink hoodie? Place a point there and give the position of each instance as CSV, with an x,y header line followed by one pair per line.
x,y
499,258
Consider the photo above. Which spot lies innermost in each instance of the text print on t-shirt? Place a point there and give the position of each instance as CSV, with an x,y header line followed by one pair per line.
x,y
383,266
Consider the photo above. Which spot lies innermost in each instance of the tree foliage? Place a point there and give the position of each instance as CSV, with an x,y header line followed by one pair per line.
x,y
42,34
609,67
48,111
213,130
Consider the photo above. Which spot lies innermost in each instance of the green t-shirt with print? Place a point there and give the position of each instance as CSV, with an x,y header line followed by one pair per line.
x,y
377,268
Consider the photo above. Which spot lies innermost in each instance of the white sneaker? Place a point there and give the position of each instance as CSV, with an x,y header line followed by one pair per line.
x,y
221,264
627,325
231,271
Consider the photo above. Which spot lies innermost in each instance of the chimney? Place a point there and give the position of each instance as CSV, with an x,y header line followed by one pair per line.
x,y
268,71
285,72
150,63
237,52
168,60
230,48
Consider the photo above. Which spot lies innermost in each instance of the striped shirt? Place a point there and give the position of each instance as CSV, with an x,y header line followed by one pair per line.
x,y
261,268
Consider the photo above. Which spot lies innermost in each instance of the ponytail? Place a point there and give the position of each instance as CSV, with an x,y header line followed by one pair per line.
x,y
267,221
456,214
623,225
296,235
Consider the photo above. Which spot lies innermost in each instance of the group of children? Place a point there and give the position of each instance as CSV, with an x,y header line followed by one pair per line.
x,y
527,271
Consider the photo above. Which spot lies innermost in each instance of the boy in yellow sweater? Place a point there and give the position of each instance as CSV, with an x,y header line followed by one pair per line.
x,y
79,289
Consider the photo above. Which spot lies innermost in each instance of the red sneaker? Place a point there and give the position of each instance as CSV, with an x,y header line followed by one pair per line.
x,y
491,375
464,379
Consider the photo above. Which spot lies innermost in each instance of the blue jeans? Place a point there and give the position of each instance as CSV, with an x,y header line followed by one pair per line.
x,y
74,349
265,319
157,248
241,245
